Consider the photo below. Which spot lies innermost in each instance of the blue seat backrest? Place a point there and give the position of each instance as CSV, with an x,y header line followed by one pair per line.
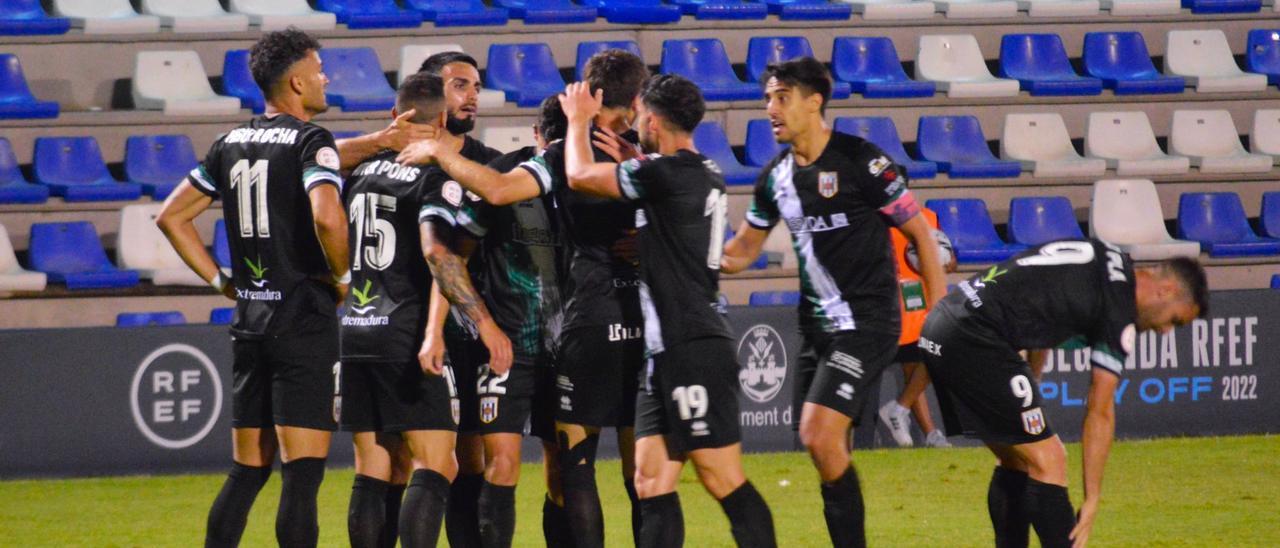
x,y
864,57
1117,55
221,247
1033,56
158,159
587,49
523,64
1040,219
70,160
237,80
10,172
1270,217
763,51
222,316
774,298
761,147
711,141
1213,217
952,138
13,82
1262,54
354,71
966,221
143,319
66,247
880,130
703,60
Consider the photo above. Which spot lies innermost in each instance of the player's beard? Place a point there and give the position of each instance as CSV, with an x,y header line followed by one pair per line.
x,y
459,126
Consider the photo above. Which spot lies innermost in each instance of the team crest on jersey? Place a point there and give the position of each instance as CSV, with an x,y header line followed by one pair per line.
x,y
452,192
1033,421
828,183
488,409
328,157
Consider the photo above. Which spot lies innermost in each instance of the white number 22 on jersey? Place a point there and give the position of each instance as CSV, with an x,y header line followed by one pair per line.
x,y
716,208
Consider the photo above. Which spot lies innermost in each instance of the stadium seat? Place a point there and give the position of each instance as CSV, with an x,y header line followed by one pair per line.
x,y
195,16
976,9
1039,63
774,298
222,316
1265,136
16,100
1262,54
636,12
809,10
1222,6
412,56
527,73
1128,144
12,276
710,140
973,235
142,247
1121,60
705,62
548,12
588,49
237,81
761,147
158,162
957,145
1217,220
1269,219
508,138
871,67
722,9
1059,8
27,17
71,253
1042,219
956,64
221,247
1127,8
356,80
371,14
1205,59
150,319
72,167
1127,213
14,187
1275,281
1043,146
881,131
175,82
272,15
878,10
1209,138
105,16
458,13
763,51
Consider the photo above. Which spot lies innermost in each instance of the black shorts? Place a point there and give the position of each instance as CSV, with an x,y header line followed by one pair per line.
x,y
396,397
466,356
598,374
839,370
689,394
909,353
285,381
984,387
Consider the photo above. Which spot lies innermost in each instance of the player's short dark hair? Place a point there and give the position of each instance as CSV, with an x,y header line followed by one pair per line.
x,y
275,52
437,62
676,99
805,73
423,92
1190,273
619,73
552,123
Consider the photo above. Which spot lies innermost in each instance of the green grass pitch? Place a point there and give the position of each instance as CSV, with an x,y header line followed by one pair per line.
x,y
1171,492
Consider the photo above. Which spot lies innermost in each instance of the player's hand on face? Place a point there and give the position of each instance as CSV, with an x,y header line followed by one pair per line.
x,y
431,355
402,132
1084,524
616,147
499,347
579,104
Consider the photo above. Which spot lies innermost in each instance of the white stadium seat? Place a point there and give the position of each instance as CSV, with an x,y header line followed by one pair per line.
x,y
105,16
955,63
1205,60
508,138
1128,144
12,276
141,246
195,16
1059,8
1127,212
1265,137
977,9
873,10
175,82
281,14
1209,138
1142,7
412,56
1041,143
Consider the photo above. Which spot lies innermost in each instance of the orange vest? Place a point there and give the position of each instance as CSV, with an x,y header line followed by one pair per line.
x,y
912,320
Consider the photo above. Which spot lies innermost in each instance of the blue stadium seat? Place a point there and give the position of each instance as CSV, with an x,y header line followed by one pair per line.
x,y
222,316
1217,220
762,262
527,73
774,298
711,141
14,187
1269,220
458,13
1275,281
73,168
16,100
705,62
158,162
809,10
71,253
1222,6
763,51
1121,60
1039,63
881,131
356,80
1041,219
221,248
636,12
1262,54
346,134
548,12
371,14
237,81
956,143
761,146
871,67
149,319
28,17
587,49
973,235
722,9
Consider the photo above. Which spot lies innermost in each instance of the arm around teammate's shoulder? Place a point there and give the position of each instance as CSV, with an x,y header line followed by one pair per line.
x,y
1099,431
491,186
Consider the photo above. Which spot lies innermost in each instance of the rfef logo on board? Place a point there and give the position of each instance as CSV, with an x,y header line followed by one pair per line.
x,y
763,359
176,396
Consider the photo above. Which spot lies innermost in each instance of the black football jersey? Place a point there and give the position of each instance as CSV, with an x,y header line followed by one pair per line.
x,y
263,171
1050,294
458,326
682,225
848,278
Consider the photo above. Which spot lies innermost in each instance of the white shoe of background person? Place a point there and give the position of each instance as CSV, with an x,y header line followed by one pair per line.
x,y
936,439
898,420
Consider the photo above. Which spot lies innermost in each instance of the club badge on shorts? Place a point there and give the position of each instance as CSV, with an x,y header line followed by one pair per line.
x,y
828,183
456,409
488,409
1033,421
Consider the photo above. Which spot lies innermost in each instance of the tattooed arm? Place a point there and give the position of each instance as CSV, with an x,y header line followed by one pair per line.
x,y
450,275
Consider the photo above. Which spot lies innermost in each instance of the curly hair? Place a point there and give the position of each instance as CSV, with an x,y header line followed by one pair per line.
x,y
676,99
805,73
619,73
275,52
552,123
437,62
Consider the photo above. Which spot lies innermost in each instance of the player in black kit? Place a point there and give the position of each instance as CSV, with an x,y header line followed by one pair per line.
x,y
838,195
278,180
687,407
1043,297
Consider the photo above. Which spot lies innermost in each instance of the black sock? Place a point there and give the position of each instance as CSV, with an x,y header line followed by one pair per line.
x,y
296,524
366,514
555,525
582,505
1004,503
630,485
663,522
1048,508
497,512
461,522
842,506
749,517
425,502
230,511
391,525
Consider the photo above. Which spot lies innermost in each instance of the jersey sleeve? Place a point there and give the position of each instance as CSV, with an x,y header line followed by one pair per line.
x,y
201,177
1115,336
883,184
320,163
440,198
637,179
763,213
548,168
